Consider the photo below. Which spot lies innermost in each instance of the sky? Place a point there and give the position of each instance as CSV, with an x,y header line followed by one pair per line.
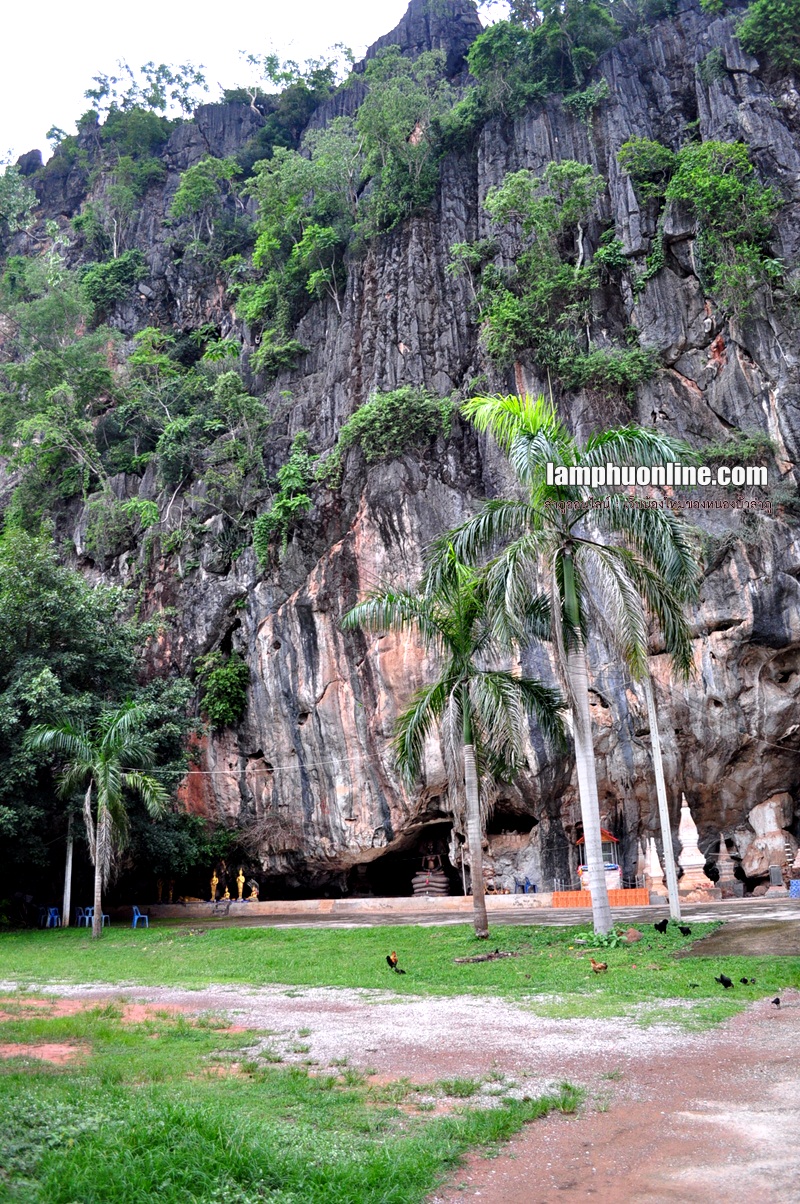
x,y
50,51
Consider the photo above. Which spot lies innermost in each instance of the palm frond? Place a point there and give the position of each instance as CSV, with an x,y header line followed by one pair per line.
x,y
88,820
150,790
506,418
635,445
68,740
498,717
667,607
103,844
545,706
73,777
661,538
452,736
617,603
115,726
414,726
502,702
497,522
136,751
396,610
519,611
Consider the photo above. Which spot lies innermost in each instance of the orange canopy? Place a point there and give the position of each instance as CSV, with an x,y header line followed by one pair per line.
x,y
604,835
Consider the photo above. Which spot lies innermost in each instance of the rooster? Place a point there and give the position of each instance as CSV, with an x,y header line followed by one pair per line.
x,y
391,960
598,967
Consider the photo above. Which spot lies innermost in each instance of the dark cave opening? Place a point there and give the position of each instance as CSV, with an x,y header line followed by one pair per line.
x,y
390,874
504,820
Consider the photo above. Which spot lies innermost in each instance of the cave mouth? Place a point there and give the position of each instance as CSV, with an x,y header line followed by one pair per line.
x,y
504,821
389,876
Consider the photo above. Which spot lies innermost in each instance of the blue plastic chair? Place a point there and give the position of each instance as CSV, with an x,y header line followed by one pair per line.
x,y
79,917
88,913
137,916
53,918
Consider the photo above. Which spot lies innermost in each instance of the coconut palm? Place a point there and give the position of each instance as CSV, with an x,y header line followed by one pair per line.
x,y
104,761
480,711
606,562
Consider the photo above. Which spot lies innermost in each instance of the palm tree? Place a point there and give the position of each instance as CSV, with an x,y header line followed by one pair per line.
x,y
104,760
604,561
480,711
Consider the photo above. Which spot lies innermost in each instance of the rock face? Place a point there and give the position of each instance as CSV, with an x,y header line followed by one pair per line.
x,y
309,771
773,843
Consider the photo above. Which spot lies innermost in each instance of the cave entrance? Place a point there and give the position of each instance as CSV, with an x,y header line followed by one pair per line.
x,y
505,821
391,874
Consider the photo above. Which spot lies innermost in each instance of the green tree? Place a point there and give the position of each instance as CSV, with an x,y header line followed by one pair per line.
x,y
202,192
224,688
548,47
59,380
480,712
543,302
17,203
155,88
606,569
771,28
291,501
64,649
717,184
308,204
399,120
105,759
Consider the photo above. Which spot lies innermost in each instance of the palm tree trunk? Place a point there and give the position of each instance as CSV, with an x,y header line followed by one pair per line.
x,y
100,845
67,900
474,838
587,786
663,806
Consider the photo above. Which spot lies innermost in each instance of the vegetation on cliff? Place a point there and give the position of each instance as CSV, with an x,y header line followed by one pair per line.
x,y
143,336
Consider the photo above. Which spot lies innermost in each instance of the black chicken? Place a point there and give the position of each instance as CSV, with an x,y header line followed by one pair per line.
x,y
684,930
661,926
724,981
776,1002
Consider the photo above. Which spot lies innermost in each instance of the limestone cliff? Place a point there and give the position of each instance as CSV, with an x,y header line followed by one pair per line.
x,y
309,769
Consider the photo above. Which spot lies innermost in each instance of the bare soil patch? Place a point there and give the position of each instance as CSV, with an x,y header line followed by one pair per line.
x,y
722,1119
15,1007
60,1054
669,1116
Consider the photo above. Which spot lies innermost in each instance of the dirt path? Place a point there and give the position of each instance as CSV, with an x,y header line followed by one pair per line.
x,y
720,1120
669,1115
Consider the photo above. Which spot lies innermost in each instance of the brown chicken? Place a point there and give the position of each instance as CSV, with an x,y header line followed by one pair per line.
x,y
391,961
598,967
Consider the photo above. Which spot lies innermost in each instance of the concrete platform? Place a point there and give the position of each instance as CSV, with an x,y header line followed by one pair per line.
x,y
502,909
450,905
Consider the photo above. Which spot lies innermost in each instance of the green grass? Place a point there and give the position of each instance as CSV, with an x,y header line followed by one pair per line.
x,y
552,974
145,1118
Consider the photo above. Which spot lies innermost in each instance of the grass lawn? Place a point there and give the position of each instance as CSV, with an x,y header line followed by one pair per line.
x,y
172,1111
552,974
180,1111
